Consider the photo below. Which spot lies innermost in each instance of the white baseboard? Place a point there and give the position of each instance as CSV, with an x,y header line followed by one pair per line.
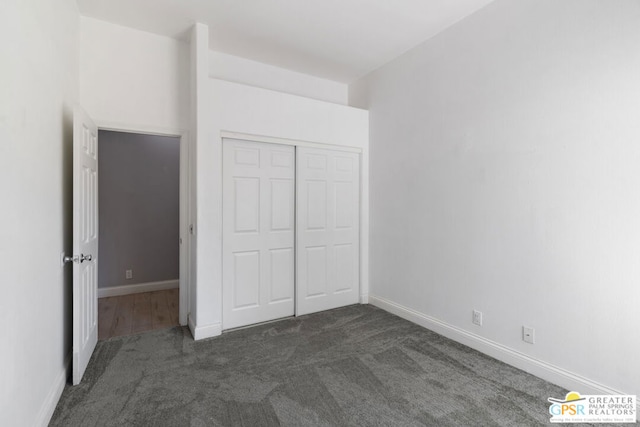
x,y
49,405
544,370
202,332
364,298
115,291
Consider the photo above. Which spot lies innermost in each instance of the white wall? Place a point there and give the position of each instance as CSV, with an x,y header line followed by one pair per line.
x,y
39,88
505,178
240,70
245,109
133,77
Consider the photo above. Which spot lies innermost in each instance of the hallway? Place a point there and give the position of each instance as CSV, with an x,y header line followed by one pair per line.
x,y
134,313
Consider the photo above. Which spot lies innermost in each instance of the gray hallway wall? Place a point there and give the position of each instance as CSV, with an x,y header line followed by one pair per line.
x,y
139,189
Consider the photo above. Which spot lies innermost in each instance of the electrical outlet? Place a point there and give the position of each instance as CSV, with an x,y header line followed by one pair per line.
x,y
128,274
528,335
477,317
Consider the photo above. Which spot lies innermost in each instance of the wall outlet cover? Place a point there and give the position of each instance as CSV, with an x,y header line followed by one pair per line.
x,y
477,317
528,334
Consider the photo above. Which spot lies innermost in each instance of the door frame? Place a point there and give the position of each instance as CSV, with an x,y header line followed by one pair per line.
x,y
185,203
287,141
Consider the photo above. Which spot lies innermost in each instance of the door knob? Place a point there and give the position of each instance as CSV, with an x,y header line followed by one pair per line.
x,y
67,259
78,258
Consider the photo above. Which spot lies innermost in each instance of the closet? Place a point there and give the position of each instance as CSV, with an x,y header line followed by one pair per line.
x,y
290,230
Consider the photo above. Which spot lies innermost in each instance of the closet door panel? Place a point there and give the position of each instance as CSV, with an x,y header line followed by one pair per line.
x,y
246,195
327,240
281,280
258,232
316,272
246,271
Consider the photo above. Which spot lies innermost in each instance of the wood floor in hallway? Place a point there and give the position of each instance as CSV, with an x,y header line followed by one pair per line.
x,y
134,313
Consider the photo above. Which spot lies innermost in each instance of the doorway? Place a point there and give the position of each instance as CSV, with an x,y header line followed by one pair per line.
x,y
139,232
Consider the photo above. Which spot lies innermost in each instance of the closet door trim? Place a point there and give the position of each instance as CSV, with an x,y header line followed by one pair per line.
x,y
284,141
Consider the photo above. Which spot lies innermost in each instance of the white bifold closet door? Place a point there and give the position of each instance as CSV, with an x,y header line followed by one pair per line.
x,y
258,232
328,238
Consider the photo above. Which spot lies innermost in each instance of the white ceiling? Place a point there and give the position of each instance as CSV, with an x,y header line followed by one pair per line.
x,y
335,39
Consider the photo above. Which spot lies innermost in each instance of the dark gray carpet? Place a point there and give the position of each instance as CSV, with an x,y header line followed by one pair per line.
x,y
357,365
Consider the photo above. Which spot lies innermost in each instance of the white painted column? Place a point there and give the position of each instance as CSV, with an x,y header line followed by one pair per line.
x,y
204,321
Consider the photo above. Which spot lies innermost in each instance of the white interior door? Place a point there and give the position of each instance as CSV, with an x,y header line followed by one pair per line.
x,y
328,229
258,232
85,242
